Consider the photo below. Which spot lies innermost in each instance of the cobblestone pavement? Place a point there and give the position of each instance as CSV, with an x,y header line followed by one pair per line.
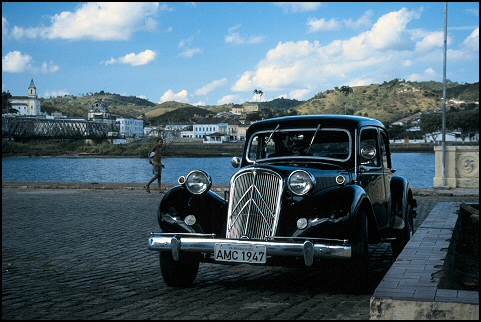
x,y
82,254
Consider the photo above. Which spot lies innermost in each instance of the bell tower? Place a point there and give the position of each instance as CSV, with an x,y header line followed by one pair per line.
x,y
32,90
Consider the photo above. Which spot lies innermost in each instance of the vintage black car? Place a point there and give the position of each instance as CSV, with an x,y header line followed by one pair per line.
x,y
309,189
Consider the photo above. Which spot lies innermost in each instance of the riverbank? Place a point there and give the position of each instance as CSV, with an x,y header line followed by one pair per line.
x,y
59,148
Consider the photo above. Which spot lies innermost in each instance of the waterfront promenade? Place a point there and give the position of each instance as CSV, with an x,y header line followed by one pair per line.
x,y
79,251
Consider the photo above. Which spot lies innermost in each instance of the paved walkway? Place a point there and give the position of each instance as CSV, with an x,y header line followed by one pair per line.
x,y
82,254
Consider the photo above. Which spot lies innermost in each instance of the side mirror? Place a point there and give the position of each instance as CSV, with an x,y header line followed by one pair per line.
x,y
235,162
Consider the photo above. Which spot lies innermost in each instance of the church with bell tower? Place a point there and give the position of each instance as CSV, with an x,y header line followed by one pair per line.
x,y
27,105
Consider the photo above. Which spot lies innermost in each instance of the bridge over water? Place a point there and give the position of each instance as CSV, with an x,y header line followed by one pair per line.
x,y
40,128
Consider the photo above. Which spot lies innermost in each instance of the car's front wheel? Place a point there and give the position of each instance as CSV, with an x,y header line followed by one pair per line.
x,y
358,270
180,273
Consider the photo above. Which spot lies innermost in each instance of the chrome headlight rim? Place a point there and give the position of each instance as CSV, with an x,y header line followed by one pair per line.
x,y
198,182
304,185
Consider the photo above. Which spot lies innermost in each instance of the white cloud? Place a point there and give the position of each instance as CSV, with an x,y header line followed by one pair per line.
x,y
133,59
469,49
316,25
190,52
389,32
428,75
58,93
294,7
199,103
16,62
363,21
299,94
430,41
206,89
182,96
301,68
5,25
237,39
97,21
229,99
471,43
187,41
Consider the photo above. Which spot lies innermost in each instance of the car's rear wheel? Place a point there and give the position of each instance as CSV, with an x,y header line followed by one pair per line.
x,y
181,273
402,236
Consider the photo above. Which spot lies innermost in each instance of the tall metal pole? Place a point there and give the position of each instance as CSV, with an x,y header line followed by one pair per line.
x,y
444,92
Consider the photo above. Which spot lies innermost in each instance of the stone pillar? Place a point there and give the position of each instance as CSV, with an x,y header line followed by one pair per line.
x,y
461,167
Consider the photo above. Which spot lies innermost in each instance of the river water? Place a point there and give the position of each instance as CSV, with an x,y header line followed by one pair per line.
x,y
418,168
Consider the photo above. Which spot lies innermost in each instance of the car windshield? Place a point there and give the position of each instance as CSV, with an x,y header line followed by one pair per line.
x,y
331,144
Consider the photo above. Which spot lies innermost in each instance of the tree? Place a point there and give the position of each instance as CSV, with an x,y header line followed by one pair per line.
x,y
346,90
258,92
397,132
6,104
465,121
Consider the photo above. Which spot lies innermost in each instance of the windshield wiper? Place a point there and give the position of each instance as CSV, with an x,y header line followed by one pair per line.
x,y
270,137
313,137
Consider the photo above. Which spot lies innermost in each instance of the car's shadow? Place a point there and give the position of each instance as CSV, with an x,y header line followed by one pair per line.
x,y
331,276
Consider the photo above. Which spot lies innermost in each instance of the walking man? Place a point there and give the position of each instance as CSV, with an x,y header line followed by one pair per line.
x,y
157,165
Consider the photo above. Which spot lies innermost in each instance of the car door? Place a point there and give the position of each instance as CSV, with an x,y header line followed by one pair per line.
x,y
372,173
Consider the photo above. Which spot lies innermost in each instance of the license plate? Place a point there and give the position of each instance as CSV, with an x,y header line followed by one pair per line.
x,y
240,253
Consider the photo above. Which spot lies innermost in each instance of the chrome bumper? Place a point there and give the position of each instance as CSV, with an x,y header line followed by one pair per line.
x,y
204,243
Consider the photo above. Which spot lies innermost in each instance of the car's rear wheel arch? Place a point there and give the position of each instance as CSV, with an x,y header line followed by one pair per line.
x,y
372,227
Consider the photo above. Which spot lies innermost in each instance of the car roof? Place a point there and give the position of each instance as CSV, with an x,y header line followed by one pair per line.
x,y
326,120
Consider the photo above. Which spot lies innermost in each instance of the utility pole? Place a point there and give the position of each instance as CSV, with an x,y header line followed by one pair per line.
x,y
444,92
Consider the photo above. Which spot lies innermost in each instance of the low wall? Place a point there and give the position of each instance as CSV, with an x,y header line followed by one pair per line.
x,y
461,167
410,291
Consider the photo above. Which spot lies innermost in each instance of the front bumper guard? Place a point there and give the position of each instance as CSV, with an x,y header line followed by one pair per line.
x,y
308,248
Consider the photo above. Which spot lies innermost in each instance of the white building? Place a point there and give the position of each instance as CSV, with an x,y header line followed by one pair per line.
x,y
130,127
27,105
450,137
101,113
208,126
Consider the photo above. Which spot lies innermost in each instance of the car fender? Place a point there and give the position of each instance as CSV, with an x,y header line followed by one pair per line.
x,y
400,185
362,202
348,199
209,210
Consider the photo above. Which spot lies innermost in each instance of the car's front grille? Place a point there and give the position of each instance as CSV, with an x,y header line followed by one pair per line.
x,y
254,204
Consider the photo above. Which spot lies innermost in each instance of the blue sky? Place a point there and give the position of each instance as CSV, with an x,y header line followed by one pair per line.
x,y
213,53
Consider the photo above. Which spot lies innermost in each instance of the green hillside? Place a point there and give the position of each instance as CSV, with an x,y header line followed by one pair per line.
x,y
388,102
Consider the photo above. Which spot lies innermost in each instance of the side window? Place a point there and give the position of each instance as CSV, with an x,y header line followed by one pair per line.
x,y
369,149
385,151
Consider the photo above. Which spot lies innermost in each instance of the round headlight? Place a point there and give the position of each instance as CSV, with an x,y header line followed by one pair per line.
x,y
198,182
300,182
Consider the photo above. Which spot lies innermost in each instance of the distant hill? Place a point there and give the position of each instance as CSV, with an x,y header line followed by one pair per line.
x,y
388,102
174,115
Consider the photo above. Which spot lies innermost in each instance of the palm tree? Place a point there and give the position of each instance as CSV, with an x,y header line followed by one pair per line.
x,y
260,93
346,90
256,91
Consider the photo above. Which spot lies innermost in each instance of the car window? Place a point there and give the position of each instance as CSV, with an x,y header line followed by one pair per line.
x,y
325,143
385,152
369,149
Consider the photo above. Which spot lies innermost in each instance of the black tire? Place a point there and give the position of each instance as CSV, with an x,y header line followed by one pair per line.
x,y
358,268
403,235
181,273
